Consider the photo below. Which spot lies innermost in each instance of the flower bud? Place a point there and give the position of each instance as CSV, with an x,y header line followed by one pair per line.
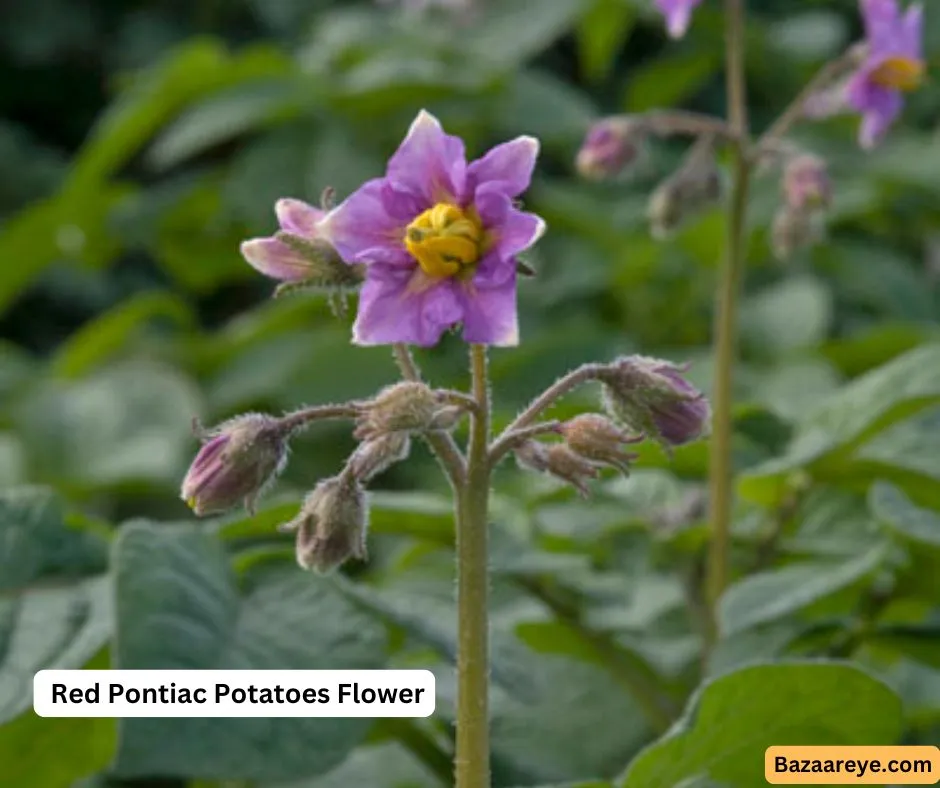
x,y
557,460
406,407
237,461
684,194
372,457
598,439
611,146
806,183
651,396
331,525
794,229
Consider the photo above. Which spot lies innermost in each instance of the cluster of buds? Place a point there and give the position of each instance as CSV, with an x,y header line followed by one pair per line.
x,y
241,457
806,192
591,443
652,397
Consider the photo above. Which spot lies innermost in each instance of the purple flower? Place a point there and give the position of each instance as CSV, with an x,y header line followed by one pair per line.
x,y
678,14
894,65
286,256
439,239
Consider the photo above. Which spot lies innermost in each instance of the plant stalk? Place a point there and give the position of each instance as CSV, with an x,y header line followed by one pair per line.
x,y
472,763
726,319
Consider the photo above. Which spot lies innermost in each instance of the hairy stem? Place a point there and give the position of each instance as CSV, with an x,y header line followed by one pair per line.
x,y
472,764
521,435
543,402
299,419
441,443
726,319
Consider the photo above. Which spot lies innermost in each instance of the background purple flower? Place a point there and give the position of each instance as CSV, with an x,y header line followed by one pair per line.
x,y
678,14
894,65
439,239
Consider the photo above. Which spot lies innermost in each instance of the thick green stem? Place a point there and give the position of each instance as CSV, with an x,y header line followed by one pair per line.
x,y
726,319
472,764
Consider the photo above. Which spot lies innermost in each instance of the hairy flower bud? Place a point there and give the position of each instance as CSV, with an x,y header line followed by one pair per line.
x,y
611,146
331,525
406,407
806,183
684,194
651,396
372,457
598,439
237,461
794,229
557,460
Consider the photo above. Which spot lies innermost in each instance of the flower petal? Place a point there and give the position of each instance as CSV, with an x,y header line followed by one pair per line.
x,y
490,314
392,311
429,162
297,217
511,164
878,119
362,223
275,259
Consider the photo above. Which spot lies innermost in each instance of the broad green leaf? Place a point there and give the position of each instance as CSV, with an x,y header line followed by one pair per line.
x,y
106,336
545,107
669,80
381,766
131,422
920,643
223,116
601,33
789,316
859,410
768,596
908,446
733,719
36,543
178,607
59,627
892,507
515,30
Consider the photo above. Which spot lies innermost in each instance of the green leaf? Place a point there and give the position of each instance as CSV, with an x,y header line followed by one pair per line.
x,y
892,507
864,407
178,607
129,423
908,446
768,596
733,719
602,31
789,316
99,340
385,765
56,628
670,80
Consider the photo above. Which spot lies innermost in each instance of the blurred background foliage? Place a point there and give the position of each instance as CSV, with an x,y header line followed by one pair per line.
x,y
140,142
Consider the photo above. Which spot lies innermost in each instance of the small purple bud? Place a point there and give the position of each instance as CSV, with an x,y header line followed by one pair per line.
x,y
652,396
331,525
806,183
237,462
598,439
559,461
611,146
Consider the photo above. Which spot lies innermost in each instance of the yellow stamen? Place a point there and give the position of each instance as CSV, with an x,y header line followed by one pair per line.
x,y
900,73
444,240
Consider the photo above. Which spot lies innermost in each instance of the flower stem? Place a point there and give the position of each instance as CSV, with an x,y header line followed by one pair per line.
x,y
726,319
472,766
441,443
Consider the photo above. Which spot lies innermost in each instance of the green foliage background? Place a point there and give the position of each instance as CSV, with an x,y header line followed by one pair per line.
x,y
140,142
